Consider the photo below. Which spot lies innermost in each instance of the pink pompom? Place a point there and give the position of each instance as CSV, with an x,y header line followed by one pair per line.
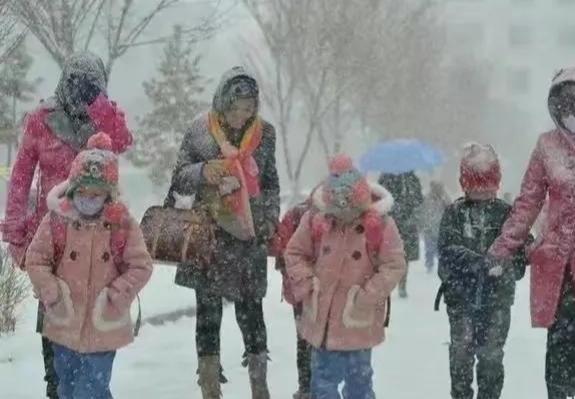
x,y
100,141
340,163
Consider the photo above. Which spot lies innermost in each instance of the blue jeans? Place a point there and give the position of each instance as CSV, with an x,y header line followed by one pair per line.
x,y
83,375
330,368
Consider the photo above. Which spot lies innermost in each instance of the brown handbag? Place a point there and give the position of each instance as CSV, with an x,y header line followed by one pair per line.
x,y
176,236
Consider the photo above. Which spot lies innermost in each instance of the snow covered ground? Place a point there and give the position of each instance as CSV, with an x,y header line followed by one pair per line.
x,y
411,364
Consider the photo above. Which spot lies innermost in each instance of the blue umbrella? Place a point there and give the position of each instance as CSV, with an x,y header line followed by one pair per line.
x,y
400,156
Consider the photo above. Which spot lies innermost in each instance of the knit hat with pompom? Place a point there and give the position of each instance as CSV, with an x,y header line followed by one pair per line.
x,y
346,192
97,166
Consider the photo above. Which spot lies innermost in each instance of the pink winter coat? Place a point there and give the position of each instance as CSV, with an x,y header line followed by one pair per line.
x,y
92,313
551,171
343,293
40,147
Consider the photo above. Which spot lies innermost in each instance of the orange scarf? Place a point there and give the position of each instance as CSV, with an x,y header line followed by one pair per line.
x,y
241,159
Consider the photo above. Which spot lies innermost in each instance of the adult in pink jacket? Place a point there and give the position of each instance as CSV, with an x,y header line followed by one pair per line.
x,y
344,260
54,133
551,172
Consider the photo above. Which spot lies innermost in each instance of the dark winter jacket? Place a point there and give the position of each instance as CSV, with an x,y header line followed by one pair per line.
x,y
467,230
239,269
408,198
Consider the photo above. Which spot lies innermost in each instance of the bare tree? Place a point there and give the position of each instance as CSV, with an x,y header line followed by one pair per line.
x,y
66,26
326,56
10,35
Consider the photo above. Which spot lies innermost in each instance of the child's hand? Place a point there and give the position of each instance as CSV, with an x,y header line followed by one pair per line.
x,y
49,295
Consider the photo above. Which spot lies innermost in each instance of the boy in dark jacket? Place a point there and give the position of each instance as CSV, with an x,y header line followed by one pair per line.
x,y
478,302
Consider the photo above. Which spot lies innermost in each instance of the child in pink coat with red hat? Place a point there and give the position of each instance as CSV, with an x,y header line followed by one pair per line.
x,y
88,261
343,261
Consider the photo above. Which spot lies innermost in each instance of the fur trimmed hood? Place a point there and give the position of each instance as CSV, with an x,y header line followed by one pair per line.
x,y
115,212
382,200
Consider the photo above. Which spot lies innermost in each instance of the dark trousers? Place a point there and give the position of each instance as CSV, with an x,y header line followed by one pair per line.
x,y
50,375
560,357
303,358
249,316
482,335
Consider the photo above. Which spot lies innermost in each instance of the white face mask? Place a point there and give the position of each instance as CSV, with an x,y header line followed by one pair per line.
x,y
569,123
89,206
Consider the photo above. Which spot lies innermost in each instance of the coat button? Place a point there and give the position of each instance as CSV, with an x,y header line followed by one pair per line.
x,y
356,255
106,257
360,229
73,255
76,225
326,250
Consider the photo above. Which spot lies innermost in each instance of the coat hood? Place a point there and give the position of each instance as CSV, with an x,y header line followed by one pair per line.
x,y
84,64
114,213
68,118
222,97
563,77
382,201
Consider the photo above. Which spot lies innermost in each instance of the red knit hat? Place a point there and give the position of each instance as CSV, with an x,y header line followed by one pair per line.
x,y
479,170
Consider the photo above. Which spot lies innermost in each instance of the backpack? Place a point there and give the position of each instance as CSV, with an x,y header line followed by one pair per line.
x,y
372,251
118,239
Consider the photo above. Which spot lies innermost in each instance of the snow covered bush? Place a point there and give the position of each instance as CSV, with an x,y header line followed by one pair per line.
x,y
14,288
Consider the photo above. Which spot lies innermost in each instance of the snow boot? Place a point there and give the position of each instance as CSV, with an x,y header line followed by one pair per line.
x,y
258,370
209,371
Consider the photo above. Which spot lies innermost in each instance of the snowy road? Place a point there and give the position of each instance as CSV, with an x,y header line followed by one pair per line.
x,y
411,364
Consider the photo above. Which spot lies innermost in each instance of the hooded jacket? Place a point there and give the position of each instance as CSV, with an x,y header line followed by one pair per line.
x,y
550,172
51,141
239,268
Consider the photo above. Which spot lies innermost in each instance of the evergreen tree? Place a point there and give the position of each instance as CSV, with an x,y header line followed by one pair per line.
x,y
15,90
176,99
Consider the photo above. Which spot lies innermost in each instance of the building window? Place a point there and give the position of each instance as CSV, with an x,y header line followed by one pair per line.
x,y
566,36
519,80
520,35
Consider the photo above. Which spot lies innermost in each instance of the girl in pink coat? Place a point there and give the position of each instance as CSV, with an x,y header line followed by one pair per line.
x,y
551,174
88,285
54,133
344,260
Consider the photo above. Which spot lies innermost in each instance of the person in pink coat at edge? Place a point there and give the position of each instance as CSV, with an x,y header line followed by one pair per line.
x,y
342,285
53,135
87,287
550,174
